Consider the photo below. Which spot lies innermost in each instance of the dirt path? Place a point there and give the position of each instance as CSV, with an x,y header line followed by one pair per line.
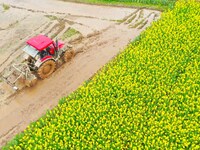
x,y
103,32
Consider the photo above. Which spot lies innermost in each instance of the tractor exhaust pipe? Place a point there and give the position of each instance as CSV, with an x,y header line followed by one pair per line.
x,y
57,44
57,48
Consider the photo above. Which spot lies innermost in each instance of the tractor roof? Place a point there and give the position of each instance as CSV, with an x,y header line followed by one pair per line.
x,y
40,42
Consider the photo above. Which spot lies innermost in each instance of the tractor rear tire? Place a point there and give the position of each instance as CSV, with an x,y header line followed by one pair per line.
x,y
68,55
46,69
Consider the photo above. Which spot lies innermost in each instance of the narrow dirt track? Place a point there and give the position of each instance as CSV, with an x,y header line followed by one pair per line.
x,y
102,35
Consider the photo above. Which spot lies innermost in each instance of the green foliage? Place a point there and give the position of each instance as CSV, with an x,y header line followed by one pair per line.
x,y
51,17
6,7
155,4
69,33
148,97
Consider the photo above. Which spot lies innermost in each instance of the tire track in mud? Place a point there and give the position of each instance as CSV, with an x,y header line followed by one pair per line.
x,y
81,44
31,108
52,28
140,19
16,52
52,12
12,25
96,48
11,131
55,30
60,29
131,17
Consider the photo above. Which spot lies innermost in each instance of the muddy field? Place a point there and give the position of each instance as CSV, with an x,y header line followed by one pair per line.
x,y
100,33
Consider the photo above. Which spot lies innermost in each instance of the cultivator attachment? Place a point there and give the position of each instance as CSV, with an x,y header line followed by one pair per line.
x,y
18,76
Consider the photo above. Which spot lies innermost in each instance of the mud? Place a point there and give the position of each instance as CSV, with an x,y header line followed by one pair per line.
x,y
104,32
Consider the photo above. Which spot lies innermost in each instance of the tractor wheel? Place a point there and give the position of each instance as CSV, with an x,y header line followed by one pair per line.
x,y
68,55
46,69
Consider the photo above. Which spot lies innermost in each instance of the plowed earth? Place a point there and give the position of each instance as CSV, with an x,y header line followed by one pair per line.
x,y
102,32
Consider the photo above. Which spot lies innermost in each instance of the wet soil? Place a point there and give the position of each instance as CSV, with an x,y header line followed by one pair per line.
x,y
103,32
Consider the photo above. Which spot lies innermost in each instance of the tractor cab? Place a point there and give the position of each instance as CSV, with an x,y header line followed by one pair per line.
x,y
42,53
42,46
40,42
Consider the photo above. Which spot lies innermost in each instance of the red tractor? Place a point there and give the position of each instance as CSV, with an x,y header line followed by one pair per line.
x,y
42,53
